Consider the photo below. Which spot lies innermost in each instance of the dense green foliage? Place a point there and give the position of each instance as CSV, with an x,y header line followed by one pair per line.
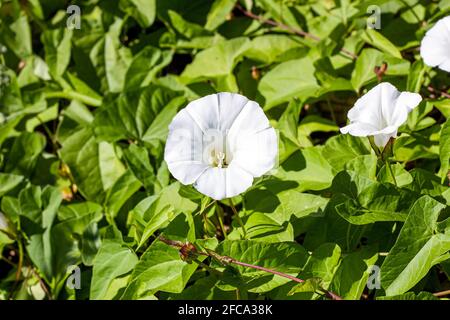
x,y
84,116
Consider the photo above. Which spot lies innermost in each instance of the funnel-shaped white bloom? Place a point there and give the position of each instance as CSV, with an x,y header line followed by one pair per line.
x,y
380,112
219,143
435,47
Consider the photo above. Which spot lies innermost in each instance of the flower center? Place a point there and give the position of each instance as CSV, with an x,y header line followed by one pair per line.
x,y
216,150
219,159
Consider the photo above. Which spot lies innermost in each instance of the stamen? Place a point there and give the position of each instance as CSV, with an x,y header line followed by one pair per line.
x,y
220,159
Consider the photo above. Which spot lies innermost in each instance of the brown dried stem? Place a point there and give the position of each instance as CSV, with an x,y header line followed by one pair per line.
x,y
229,260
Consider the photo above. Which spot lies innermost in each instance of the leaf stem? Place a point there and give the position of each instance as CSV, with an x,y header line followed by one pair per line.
x,y
236,214
72,95
229,260
222,228
391,171
442,293
288,28
442,93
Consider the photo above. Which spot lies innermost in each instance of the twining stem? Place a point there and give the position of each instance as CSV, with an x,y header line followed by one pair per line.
x,y
391,171
287,28
236,214
222,228
374,146
229,260
281,274
72,95
442,93
12,264
42,283
442,293
19,265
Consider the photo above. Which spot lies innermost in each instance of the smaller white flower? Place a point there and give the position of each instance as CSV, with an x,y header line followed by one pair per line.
x,y
3,222
219,143
380,112
435,46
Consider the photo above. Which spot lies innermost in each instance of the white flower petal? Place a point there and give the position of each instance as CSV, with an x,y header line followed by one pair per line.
x,y
184,141
256,153
382,139
217,111
205,112
183,151
230,105
221,183
218,143
432,51
250,120
445,65
367,108
359,129
435,46
409,99
237,180
187,172
380,112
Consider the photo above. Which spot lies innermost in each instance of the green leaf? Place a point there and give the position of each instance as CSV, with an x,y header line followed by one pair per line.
x,y
281,200
145,66
117,59
416,76
216,61
113,260
444,150
402,177
310,285
285,82
122,189
341,149
287,257
9,182
419,246
379,41
218,13
144,11
157,219
142,114
94,166
138,162
367,201
317,273
263,227
17,35
159,269
57,44
24,153
270,48
369,59
351,277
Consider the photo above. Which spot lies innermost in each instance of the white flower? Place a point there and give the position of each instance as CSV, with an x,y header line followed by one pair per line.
x,y
219,143
435,47
3,222
380,112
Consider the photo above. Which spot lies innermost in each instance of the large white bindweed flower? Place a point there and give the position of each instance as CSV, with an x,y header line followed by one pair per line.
x,y
380,112
219,143
435,46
